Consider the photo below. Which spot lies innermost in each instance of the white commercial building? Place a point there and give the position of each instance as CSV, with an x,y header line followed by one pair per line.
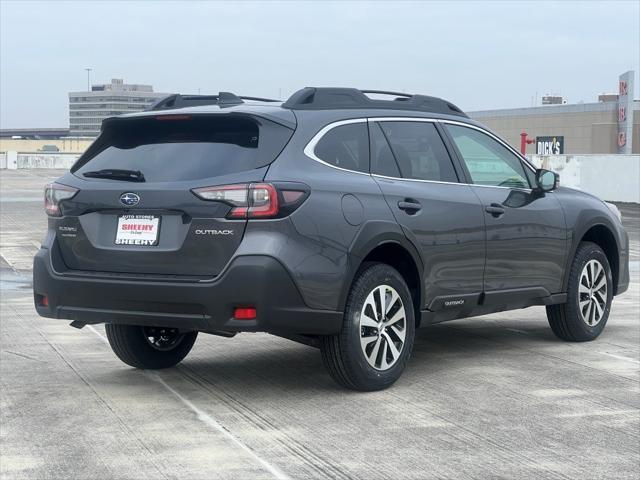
x,y
88,109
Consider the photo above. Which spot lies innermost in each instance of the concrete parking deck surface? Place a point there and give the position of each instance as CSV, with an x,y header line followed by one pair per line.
x,y
490,397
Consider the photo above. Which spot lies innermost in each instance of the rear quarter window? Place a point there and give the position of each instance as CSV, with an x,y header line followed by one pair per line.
x,y
173,149
345,146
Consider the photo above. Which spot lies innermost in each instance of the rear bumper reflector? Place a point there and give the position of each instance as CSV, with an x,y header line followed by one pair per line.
x,y
245,313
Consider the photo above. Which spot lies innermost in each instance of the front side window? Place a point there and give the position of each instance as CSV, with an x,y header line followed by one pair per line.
x,y
488,161
345,146
419,151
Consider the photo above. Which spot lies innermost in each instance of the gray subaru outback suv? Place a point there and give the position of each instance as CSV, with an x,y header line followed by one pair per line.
x,y
342,219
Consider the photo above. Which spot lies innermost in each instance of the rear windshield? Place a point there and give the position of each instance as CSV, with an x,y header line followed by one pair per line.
x,y
174,148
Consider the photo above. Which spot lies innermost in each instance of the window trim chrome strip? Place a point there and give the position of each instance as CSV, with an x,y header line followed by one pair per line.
x,y
377,175
449,183
402,119
309,149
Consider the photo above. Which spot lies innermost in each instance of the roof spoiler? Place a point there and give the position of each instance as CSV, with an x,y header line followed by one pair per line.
x,y
223,99
313,98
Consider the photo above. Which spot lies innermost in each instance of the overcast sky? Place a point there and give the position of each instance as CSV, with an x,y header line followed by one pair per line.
x,y
479,55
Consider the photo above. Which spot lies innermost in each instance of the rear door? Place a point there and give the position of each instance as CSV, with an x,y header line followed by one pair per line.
x,y
526,232
442,216
154,224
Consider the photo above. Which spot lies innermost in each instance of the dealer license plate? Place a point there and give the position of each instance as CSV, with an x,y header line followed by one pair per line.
x,y
138,230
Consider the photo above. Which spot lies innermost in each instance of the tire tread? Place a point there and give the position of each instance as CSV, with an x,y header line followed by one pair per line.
x,y
337,354
564,320
130,347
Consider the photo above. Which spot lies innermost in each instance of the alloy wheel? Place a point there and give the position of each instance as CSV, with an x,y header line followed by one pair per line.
x,y
163,339
383,327
592,292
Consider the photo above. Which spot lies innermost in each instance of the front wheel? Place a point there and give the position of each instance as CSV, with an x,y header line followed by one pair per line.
x,y
378,329
589,295
149,347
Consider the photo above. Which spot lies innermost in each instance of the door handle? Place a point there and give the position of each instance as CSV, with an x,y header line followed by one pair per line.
x,y
495,209
410,206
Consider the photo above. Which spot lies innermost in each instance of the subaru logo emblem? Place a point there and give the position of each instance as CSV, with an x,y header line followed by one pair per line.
x,y
129,199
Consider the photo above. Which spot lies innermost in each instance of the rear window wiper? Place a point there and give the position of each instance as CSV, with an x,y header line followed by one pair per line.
x,y
117,174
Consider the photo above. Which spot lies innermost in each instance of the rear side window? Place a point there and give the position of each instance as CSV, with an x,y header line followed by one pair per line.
x,y
419,151
382,159
345,146
185,148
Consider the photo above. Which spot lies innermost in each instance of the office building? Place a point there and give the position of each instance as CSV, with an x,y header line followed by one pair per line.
x,y
87,110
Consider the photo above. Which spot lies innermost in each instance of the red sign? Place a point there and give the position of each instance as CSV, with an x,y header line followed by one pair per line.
x,y
624,87
622,139
622,114
625,113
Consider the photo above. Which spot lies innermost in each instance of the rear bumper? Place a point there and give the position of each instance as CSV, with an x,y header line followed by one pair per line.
x,y
258,281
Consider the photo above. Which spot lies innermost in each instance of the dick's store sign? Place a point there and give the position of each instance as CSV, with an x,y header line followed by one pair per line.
x,y
625,112
550,145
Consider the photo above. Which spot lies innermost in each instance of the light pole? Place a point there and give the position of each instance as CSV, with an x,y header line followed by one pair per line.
x,y
88,69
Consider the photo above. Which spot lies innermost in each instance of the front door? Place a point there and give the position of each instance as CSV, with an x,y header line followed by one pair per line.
x,y
442,216
526,232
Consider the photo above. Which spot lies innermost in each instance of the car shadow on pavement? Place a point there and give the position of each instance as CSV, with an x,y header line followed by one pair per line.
x,y
295,368
266,373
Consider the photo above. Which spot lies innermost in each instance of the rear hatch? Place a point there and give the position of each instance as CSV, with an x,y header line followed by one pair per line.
x,y
136,213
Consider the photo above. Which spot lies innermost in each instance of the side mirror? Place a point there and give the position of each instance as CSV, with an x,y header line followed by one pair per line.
x,y
546,180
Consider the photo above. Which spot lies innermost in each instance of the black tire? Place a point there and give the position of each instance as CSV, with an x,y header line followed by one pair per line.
x,y
343,355
131,345
566,320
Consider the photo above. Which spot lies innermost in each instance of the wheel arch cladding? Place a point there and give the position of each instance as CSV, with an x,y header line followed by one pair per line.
x,y
397,255
602,236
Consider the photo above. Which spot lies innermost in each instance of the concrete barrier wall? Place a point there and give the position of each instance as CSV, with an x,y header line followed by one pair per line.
x,y
614,178
611,177
46,160
65,145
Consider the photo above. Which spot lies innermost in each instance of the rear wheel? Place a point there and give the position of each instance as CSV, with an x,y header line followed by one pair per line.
x,y
378,329
589,295
149,347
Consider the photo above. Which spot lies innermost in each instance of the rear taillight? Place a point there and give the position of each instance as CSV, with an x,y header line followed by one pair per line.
x,y
263,201
54,193
256,200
